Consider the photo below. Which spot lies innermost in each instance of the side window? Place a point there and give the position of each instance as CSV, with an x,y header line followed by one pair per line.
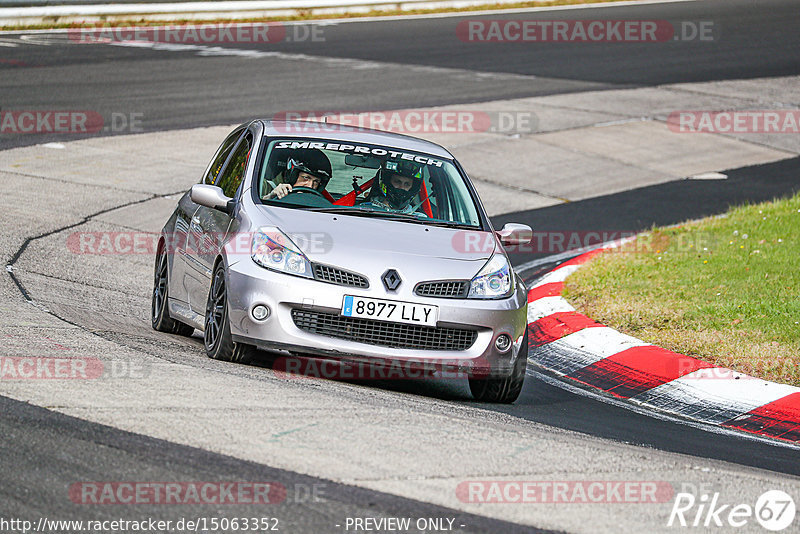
x,y
220,157
232,176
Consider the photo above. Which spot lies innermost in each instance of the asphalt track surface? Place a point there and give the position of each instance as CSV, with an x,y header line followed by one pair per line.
x,y
310,505
417,63
179,90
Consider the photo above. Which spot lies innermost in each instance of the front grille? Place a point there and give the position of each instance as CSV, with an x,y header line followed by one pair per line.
x,y
332,275
449,289
395,335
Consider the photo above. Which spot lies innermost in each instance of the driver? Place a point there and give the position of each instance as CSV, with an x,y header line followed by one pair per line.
x,y
306,167
398,183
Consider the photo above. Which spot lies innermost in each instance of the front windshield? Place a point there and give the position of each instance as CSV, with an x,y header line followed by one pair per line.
x,y
364,180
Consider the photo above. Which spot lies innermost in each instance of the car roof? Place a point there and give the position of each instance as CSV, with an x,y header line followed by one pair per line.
x,y
353,134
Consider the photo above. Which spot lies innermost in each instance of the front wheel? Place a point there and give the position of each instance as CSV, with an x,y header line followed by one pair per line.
x,y
217,334
503,390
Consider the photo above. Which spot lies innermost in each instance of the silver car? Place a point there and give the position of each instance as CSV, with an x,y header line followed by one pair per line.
x,y
344,244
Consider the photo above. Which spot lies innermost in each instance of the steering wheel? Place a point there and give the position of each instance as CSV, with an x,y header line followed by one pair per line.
x,y
303,189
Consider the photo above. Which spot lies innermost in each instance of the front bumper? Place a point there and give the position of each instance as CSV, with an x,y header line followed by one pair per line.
x,y
250,285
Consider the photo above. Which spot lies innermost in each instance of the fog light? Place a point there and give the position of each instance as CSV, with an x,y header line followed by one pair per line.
x,y
502,343
260,312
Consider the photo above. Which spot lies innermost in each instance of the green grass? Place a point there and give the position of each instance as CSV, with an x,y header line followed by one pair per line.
x,y
724,289
303,15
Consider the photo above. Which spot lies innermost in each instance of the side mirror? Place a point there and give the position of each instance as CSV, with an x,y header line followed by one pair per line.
x,y
210,196
515,234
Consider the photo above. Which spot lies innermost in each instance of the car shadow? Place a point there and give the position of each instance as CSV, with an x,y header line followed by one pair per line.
x,y
443,385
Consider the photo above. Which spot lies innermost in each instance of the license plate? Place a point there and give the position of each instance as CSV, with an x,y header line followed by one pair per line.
x,y
390,310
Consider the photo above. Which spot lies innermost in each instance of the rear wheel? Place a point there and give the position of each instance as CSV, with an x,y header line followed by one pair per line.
x,y
159,312
217,335
503,390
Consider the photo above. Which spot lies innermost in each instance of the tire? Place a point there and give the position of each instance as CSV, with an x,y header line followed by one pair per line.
x,y
503,390
217,333
159,312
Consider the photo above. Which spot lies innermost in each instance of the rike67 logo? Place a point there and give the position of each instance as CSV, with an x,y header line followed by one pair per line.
x,y
774,510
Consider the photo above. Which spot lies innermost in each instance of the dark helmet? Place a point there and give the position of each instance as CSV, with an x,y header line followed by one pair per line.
x,y
400,198
311,161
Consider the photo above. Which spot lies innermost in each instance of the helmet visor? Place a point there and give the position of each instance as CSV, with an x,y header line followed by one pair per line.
x,y
409,169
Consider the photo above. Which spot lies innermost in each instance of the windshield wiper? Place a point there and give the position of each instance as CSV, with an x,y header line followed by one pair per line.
x,y
344,209
369,212
446,224
281,203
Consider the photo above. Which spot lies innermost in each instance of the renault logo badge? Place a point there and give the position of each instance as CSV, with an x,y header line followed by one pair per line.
x,y
391,280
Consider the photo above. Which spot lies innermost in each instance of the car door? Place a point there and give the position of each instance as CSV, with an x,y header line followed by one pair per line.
x,y
209,227
183,248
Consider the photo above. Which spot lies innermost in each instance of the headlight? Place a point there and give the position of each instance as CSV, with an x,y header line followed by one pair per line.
x,y
272,249
494,281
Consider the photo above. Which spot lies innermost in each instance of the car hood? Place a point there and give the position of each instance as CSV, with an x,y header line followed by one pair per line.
x,y
363,243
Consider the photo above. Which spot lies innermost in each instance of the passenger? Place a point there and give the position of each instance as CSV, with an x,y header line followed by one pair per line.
x,y
397,184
